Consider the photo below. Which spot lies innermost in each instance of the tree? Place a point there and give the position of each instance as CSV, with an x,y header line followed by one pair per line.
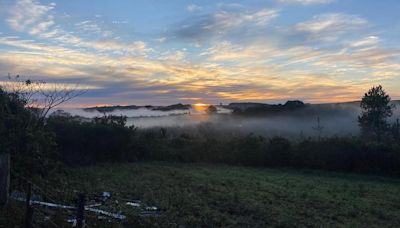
x,y
211,109
31,147
24,105
41,96
376,108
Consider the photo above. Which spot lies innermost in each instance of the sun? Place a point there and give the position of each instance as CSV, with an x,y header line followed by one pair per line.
x,y
200,106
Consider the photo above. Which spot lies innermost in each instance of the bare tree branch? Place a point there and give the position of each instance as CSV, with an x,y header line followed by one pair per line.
x,y
41,96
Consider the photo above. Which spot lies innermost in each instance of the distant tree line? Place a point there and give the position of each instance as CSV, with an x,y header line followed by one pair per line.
x,y
38,147
262,109
107,139
86,143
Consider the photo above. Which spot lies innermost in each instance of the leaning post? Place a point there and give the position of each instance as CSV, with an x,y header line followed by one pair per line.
x,y
4,179
80,210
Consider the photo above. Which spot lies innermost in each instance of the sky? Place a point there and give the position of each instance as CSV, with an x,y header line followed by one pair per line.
x,y
163,52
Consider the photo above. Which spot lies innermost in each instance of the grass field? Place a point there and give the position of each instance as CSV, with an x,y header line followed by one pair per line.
x,y
201,195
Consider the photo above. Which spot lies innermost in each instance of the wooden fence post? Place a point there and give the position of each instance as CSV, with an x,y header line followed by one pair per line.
x,y
28,207
4,179
80,210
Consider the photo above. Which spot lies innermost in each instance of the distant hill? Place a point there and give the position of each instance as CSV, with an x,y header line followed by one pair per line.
x,y
251,107
173,107
112,108
299,108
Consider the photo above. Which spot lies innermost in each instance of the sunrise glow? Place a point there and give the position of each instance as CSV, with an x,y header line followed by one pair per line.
x,y
200,106
140,52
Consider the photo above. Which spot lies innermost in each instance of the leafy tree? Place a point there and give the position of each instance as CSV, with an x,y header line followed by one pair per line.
x,y
376,108
24,134
31,146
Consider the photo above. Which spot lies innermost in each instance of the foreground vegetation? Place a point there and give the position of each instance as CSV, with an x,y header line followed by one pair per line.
x,y
107,139
43,150
39,144
204,195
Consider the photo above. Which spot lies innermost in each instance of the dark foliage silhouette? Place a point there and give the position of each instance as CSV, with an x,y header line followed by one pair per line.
x,y
376,109
30,144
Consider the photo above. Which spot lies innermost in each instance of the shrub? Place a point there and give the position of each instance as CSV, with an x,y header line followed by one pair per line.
x,y
29,142
109,140
278,152
89,142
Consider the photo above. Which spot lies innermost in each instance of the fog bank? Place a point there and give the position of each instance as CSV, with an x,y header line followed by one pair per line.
x,y
335,119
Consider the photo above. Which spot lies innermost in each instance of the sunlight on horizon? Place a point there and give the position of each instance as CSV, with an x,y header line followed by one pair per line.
x,y
200,107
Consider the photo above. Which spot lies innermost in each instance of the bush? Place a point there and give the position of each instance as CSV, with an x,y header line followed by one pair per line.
x,y
105,140
248,150
337,154
279,151
29,142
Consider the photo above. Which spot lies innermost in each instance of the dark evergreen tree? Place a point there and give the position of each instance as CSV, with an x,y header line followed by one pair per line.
x,y
376,108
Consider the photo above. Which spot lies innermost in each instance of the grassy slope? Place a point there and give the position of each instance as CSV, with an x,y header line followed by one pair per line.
x,y
222,196
219,195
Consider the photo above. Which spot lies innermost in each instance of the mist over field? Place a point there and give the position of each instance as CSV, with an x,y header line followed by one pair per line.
x,y
132,113
335,119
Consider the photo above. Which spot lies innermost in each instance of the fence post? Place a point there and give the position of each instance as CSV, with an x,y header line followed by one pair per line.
x,y
80,210
4,179
28,207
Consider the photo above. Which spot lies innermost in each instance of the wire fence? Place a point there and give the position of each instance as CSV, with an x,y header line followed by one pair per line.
x,y
43,208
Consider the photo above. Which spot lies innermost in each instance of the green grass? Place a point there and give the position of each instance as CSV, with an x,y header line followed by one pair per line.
x,y
201,195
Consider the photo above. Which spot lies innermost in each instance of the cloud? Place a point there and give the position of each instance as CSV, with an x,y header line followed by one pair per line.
x,y
52,86
242,56
260,72
227,51
306,2
228,20
221,22
259,53
175,56
90,26
224,5
194,8
29,15
266,75
161,39
365,42
331,25
38,20
138,47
